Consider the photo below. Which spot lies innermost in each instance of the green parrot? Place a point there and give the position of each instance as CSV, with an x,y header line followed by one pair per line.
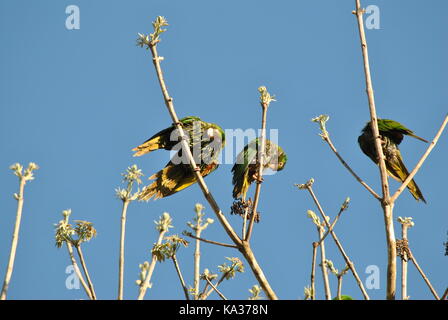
x,y
391,133
206,141
246,168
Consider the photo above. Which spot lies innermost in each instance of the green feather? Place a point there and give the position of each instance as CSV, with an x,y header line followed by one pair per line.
x,y
245,166
177,175
392,133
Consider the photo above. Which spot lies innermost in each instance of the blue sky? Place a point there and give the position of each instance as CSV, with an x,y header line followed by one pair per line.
x,y
77,101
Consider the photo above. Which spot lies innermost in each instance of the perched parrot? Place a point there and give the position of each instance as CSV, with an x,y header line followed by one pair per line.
x,y
391,133
246,167
206,141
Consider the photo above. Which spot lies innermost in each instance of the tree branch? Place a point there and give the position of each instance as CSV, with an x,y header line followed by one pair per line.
x,y
404,263
15,239
78,271
86,272
322,264
313,272
327,139
260,160
145,284
425,278
121,258
385,202
445,295
181,278
215,289
188,234
349,263
420,162
24,176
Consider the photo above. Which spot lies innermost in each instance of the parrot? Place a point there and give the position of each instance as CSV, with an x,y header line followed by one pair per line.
x,y
206,141
392,133
246,168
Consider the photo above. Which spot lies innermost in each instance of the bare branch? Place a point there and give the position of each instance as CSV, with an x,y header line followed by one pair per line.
x,y
86,272
189,234
445,295
24,176
308,186
327,139
181,278
404,263
420,162
147,279
313,272
78,271
425,278
336,219
323,258
386,203
265,101
215,289
121,257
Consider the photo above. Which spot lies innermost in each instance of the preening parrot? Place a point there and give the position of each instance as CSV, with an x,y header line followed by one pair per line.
x,y
206,141
246,167
392,133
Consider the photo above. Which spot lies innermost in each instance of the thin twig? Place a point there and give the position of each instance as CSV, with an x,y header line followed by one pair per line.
x,y
86,272
78,271
260,162
181,278
338,244
215,289
331,227
322,264
420,162
15,239
188,234
202,295
339,287
121,258
146,282
404,263
223,277
327,139
313,272
386,204
244,231
445,294
428,283
197,260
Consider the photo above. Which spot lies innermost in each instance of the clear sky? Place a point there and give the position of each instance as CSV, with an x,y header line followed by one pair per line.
x,y
77,101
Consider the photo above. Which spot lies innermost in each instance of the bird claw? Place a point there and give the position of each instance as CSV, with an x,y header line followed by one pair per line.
x,y
257,178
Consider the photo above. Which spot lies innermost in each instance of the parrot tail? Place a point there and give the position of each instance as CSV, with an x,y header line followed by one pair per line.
x,y
417,137
399,172
148,146
169,180
241,186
